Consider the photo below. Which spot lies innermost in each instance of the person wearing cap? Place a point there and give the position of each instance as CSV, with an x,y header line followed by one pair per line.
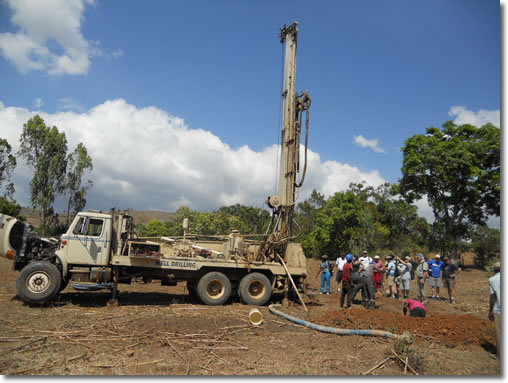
x,y
347,283
435,267
422,272
324,269
495,304
405,278
450,271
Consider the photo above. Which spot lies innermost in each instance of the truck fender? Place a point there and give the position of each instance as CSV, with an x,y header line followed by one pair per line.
x,y
63,263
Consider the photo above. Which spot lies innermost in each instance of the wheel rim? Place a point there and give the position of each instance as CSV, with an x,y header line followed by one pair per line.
x,y
38,282
215,289
256,289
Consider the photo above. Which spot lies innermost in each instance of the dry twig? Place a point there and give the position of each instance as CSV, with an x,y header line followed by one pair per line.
x,y
377,365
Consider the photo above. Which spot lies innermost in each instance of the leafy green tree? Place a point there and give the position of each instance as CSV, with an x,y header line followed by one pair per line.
x,y
341,225
396,226
458,169
78,162
44,149
7,165
255,220
10,208
485,243
154,228
305,216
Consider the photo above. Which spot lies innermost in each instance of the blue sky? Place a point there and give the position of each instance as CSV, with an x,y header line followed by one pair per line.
x,y
378,72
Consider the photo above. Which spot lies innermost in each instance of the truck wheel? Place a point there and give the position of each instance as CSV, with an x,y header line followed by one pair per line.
x,y
38,282
255,289
214,289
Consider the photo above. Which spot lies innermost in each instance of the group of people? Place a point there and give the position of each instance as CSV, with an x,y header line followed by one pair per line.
x,y
366,275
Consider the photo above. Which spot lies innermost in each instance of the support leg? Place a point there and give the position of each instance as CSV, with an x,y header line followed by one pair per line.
x,y
285,301
113,301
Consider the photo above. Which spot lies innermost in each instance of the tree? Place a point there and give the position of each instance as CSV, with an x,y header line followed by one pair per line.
x,y
255,219
305,216
10,208
78,162
154,228
7,165
458,169
342,225
485,243
44,149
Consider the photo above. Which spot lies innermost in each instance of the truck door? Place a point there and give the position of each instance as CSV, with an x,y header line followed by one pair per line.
x,y
88,242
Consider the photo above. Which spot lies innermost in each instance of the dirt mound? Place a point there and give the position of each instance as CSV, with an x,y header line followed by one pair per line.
x,y
445,328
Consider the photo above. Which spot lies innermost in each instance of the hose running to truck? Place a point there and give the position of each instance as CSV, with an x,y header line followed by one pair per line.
x,y
332,330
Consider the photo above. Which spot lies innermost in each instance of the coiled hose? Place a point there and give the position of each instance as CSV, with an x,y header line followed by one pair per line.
x,y
332,330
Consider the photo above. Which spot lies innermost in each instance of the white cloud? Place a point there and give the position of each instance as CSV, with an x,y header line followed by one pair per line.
x,y
69,104
145,158
38,102
365,143
40,25
478,119
116,54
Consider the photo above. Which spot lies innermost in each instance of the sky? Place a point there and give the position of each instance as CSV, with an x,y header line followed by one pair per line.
x,y
178,102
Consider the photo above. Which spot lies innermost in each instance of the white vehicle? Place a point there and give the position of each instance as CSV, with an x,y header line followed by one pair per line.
x,y
101,250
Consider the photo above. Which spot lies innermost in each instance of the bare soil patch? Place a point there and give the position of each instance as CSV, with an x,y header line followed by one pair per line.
x,y
163,331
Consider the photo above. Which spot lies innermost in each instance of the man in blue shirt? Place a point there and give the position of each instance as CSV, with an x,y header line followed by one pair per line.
x,y
435,267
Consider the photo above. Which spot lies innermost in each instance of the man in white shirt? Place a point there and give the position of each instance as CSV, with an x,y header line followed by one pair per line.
x,y
495,304
340,262
365,260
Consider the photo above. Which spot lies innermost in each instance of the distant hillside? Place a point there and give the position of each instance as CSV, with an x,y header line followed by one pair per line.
x,y
140,216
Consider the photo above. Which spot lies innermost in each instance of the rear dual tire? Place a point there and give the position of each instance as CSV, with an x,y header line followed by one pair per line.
x,y
214,289
255,289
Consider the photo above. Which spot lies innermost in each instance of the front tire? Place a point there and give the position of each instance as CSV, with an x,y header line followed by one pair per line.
x,y
255,289
214,289
38,282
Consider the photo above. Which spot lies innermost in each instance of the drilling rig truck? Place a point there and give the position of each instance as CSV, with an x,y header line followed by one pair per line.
x,y
103,249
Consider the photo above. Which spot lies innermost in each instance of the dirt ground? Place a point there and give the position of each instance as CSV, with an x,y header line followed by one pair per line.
x,y
157,330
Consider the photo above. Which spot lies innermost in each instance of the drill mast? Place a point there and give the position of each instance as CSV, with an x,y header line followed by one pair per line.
x,y
292,112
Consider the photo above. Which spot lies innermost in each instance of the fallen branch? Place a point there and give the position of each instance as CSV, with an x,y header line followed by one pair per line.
x,y
26,344
218,357
174,349
378,365
77,357
402,360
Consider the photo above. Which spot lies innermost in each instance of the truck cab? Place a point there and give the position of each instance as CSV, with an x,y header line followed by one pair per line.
x,y
87,240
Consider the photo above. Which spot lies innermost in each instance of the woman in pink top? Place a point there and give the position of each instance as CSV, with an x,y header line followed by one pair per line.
x,y
377,274
416,308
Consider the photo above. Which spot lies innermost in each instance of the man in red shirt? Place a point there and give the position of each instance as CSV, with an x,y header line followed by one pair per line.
x,y
416,308
347,283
